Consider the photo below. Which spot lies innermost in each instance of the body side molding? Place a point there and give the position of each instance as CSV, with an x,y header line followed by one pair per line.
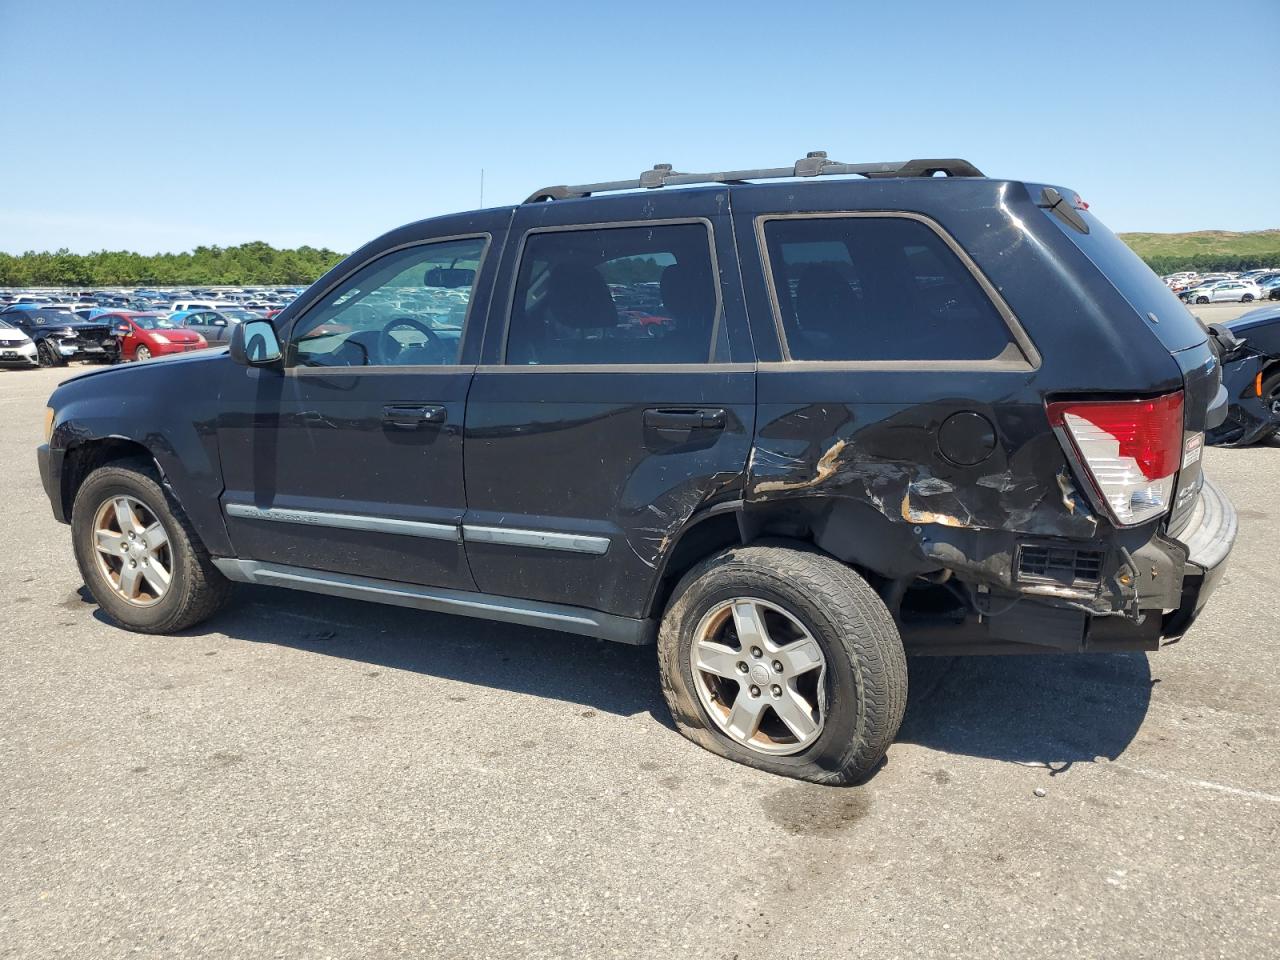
x,y
532,613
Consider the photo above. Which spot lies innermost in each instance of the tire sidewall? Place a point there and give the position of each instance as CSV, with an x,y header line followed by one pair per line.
x,y
97,489
844,713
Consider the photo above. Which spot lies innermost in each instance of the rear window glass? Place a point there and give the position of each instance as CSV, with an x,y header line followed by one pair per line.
x,y
878,288
1135,281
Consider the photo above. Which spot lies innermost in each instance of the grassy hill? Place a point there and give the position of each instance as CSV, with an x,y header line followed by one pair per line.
x,y
1206,249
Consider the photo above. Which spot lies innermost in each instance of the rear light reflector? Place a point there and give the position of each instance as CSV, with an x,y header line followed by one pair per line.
x,y
1131,450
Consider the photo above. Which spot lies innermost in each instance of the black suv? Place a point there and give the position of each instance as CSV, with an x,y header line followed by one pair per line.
x,y
789,430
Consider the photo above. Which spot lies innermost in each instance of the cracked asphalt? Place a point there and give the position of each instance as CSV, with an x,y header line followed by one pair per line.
x,y
312,777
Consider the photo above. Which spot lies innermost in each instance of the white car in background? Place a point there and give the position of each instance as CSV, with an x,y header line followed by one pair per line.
x,y
16,348
1241,291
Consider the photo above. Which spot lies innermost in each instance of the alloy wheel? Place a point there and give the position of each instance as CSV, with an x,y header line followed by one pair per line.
x,y
142,353
132,550
760,675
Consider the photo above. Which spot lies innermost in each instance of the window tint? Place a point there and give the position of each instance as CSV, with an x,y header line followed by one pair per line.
x,y
878,288
615,295
404,309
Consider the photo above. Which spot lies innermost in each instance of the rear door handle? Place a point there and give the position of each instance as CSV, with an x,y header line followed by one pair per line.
x,y
683,418
409,416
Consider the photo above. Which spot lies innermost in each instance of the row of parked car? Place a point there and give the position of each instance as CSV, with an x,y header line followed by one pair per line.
x,y
34,334
1226,287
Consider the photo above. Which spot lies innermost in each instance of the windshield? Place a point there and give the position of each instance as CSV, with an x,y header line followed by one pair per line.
x,y
152,323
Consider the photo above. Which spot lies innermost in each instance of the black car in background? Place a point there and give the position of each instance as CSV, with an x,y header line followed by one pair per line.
x,y
61,336
902,414
1249,349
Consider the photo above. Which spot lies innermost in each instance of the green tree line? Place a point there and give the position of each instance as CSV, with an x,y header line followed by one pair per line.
x,y
261,263
248,263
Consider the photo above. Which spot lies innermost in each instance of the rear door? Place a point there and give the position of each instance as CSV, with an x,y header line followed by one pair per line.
x,y
615,398
349,459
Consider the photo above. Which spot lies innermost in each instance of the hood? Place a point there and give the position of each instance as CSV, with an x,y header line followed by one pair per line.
x,y
1263,316
13,336
155,363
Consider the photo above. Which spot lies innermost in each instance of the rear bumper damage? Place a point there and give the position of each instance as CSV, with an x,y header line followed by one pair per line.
x,y
1080,596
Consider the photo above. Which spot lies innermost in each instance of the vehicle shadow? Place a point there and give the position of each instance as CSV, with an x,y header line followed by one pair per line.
x,y
1050,710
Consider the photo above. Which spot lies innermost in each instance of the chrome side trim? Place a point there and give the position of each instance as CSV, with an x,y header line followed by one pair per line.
x,y
346,521
540,539
532,613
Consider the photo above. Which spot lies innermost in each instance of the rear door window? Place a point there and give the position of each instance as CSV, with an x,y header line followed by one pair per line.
x,y
615,295
877,289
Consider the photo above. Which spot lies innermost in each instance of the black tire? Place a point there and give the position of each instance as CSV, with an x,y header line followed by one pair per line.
x,y
1247,298
866,669
1202,299
1270,393
47,356
197,589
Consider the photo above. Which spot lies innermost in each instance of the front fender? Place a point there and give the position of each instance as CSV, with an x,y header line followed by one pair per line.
x,y
168,407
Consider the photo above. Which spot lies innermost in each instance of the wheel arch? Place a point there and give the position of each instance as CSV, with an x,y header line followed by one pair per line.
x,y
851,532
87,456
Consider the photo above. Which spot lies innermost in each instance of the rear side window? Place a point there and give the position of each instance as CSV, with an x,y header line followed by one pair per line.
x,y
877,288
621,295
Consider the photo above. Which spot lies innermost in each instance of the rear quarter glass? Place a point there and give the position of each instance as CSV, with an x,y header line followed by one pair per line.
x,y
1177,328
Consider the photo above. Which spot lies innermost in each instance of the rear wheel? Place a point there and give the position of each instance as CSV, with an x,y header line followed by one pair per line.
x,y
786,660
138,554
1247,298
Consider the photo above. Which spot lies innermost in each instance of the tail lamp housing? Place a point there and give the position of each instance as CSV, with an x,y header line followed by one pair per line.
x,y
1131,451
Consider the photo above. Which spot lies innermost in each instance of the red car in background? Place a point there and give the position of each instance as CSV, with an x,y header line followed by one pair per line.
x,y
146,335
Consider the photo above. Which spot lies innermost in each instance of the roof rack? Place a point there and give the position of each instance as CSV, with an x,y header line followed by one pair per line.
x,y
814,164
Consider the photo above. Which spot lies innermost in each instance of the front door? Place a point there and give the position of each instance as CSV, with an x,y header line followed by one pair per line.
x,y
349,459
615,400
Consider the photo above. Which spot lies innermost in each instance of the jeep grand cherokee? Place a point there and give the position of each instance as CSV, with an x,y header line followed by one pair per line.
x,y
790,424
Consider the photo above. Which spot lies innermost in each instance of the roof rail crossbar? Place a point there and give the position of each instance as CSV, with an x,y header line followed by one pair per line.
x,y
814,164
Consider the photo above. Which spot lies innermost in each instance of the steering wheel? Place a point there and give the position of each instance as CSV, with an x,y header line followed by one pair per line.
x,y
389,347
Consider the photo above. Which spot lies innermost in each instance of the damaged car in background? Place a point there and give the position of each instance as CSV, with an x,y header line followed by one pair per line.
x,y
1248,348
887,408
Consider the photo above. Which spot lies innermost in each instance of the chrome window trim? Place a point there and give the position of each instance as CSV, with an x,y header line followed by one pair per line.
x,y
1030,359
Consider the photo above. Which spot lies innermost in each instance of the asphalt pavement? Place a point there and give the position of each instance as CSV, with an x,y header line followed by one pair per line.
x,y
312,777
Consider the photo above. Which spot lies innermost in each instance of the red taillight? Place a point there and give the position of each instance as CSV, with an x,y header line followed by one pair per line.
x,y
1132,450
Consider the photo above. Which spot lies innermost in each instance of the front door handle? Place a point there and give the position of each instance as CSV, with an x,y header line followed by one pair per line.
x,y
684,418
410,416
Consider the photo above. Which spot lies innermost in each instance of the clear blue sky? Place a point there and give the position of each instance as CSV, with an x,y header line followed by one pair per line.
x,y
162,125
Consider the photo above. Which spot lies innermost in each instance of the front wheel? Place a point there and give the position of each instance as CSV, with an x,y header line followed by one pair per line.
x,y
1202,299
139,555
48,356
142,353
784,659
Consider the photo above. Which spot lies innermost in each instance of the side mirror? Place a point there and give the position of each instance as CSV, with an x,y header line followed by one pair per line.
x,y
120,329
254,344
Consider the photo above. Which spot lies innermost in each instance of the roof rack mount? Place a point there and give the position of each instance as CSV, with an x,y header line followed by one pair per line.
x,y
813,164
